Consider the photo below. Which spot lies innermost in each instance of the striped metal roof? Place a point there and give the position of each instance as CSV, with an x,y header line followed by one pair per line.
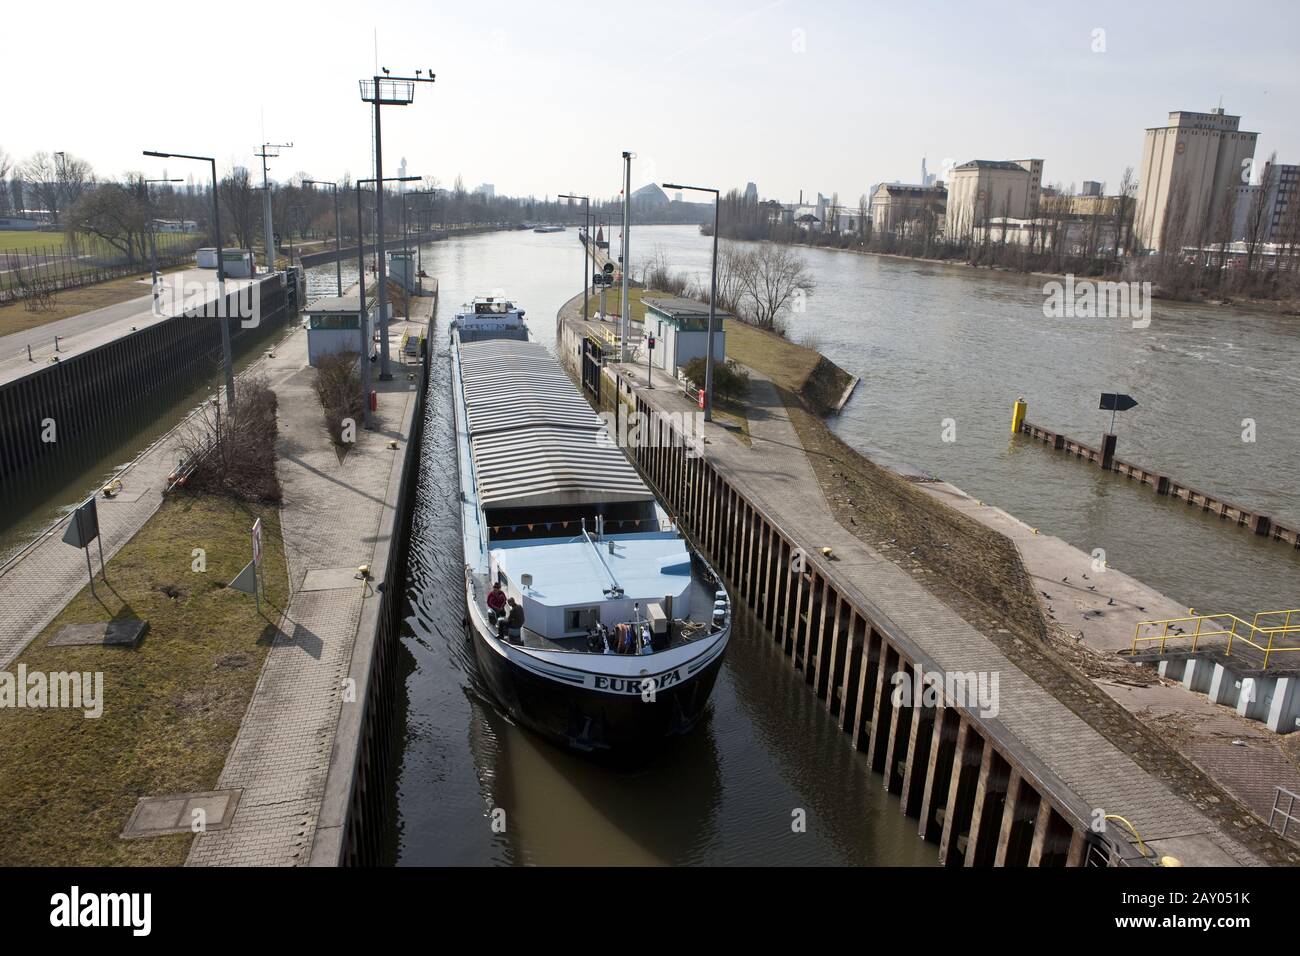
x,y
535,441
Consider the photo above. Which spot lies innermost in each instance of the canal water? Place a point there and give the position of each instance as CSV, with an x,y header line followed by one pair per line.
x,y
930,343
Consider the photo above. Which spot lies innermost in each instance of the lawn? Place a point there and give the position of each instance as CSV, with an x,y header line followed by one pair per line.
x,y
14,316
784,362
13,240
171,707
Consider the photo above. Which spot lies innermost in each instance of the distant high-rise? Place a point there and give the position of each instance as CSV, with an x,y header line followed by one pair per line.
x,y
927,178
751,192
1090,188
1189,169
486,190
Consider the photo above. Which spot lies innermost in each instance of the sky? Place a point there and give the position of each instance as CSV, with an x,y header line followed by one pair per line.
x,y
542,98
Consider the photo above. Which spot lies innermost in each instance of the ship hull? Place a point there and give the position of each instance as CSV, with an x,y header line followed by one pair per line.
x,y
627,718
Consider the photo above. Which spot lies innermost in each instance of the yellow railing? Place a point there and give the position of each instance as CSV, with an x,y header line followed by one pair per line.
x,y
1252,633
606,336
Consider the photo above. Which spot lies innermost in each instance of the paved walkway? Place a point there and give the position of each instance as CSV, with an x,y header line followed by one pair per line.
x,y
89,330
777,474
330,519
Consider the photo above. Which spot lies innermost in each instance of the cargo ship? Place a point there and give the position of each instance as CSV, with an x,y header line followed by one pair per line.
x,y
595,623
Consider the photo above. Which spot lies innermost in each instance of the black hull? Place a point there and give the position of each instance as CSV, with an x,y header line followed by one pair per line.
x,y
591,721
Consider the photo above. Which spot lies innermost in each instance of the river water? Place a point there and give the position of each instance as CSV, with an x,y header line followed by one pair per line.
x,y
931,343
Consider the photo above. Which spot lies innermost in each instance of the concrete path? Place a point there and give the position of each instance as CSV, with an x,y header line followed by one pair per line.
x,y
89,330
330,518
776,472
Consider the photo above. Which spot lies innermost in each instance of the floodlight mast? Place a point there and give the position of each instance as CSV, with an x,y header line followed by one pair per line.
x,y
386,90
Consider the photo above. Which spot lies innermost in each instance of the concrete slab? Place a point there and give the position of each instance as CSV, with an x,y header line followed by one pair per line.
x,y
178,813
123,633
1194,849
330,579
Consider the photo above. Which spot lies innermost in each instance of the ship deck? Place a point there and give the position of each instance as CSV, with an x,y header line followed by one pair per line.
x,y
680,633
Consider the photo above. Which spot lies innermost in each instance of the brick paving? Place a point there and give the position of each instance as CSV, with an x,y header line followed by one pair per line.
x,y
330,519
777,475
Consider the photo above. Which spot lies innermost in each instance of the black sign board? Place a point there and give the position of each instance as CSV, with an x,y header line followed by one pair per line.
x,y
84,527
1117,402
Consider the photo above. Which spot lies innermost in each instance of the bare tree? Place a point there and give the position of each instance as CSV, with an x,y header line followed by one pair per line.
x,y
114,212
1259,217
778,275
1124,213
57,180
240,200
6,164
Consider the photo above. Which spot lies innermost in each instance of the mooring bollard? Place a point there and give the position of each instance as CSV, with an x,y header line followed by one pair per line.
x,y
1108,441
1018,412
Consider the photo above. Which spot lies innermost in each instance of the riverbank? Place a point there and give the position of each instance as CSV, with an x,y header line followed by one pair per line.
x,y
1006,579
1289,306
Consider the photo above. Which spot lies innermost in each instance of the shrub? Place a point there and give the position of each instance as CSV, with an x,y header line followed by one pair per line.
x,y
730,380
338,386
235,458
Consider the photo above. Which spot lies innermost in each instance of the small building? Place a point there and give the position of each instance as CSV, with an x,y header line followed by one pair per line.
x,y
333,325
402,269
238,262
681,330
176,225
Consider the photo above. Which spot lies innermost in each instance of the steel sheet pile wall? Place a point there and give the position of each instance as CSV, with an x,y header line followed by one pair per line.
x,y
1260,524
87,401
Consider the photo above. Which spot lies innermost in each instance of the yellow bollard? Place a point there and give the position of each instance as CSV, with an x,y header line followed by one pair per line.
x,y
1018,415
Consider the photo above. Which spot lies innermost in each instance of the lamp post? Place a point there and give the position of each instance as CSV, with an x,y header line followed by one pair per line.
x,y
625,261
362,315
226,357
386,90
153,248
338,231
713,298
266,203
586,251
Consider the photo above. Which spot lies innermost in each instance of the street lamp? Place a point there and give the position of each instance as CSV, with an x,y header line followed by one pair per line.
x,y
419,248
386,90
266,203
153,249
338,233
362,316
713,298
586,251
226,358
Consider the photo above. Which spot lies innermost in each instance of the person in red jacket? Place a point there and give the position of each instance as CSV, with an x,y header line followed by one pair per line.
x,y
496,602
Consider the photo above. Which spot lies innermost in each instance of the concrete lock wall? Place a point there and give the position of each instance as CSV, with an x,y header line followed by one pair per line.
x,y
89,396
953,770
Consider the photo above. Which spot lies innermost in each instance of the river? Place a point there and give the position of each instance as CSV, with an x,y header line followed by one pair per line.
x,y
930,343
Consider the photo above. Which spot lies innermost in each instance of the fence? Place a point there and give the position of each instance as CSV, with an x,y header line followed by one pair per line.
x,y
44,268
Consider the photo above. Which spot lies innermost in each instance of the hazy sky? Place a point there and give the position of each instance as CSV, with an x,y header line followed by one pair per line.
x,y
542,97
